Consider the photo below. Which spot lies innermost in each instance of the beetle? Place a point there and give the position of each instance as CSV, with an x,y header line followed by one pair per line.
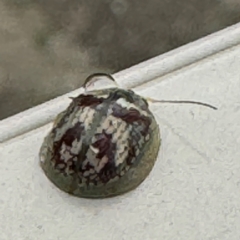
x,y
104,144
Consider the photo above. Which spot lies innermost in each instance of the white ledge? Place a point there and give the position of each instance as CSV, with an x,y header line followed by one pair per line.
x,y
132,77
179,57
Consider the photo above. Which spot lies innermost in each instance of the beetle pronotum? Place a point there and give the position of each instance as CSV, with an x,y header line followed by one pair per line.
x,y
104,144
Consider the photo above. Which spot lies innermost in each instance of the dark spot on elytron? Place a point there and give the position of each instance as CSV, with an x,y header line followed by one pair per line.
x,y
69,136
72,134
105,145
106,148
88,100
131,154
87,167
132,115
108,172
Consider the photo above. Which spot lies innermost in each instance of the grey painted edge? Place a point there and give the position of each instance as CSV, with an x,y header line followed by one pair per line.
x,y
132,77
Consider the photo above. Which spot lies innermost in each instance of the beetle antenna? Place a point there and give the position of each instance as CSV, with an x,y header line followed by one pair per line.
x,y
181,101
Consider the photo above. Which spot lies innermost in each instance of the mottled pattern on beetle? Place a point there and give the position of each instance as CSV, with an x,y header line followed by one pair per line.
x,y
71,130
107,152
116,144
114,132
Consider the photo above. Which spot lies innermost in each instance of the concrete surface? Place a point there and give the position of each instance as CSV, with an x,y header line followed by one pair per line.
x,y
192,192
48,47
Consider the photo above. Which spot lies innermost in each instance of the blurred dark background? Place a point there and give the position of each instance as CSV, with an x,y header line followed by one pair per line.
x,y
48,47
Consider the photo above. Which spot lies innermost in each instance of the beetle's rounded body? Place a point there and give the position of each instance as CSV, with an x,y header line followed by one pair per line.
x,y
104,144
